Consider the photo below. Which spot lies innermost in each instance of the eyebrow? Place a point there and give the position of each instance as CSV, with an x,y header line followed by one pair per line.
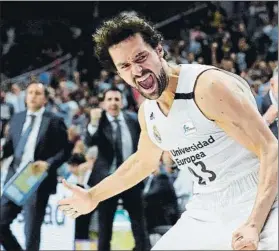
x,y
137,55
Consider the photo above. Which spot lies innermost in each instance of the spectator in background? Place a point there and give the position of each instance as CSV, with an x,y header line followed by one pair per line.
x,y
76,177
102,83
227,64
262,72
118,83
272,33
255,90
116,133
79,147
270,105
6,112
80,166
53,102
225,47
80,120
16,97
68,107
246,54
65,83
217,16
191,58
35,136
127,94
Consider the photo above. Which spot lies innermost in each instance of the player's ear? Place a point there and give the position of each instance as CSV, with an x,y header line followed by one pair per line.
x,y
160,51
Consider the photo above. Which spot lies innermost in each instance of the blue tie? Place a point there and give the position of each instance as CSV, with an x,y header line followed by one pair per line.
x,y
22,142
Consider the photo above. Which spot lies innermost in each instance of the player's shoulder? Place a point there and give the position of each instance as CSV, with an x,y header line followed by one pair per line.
x,y
214,81
195,68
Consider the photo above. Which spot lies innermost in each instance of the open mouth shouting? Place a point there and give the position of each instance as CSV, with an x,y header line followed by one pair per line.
x,y
147,83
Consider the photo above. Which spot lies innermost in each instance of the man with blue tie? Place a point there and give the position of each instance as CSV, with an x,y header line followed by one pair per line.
x,y
35,136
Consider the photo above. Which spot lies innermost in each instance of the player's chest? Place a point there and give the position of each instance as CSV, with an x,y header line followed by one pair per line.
x,y
174,130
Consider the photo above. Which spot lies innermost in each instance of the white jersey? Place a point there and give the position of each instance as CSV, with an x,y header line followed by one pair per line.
x,y
213,159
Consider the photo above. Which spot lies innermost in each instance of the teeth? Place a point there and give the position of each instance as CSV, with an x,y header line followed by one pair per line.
x,y
145,77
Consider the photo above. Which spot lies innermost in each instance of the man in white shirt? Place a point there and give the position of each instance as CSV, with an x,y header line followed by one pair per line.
x,y
116,133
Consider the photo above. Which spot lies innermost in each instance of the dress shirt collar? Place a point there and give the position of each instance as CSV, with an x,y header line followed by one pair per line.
x,y
111,118
37,113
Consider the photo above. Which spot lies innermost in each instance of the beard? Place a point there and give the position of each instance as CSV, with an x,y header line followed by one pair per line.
x,y
162,83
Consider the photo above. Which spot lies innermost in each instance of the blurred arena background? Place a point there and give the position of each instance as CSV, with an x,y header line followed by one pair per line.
x,y
51,42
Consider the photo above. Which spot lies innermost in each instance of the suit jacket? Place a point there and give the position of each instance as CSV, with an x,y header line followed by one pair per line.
x,y
103,139
265,105
52,145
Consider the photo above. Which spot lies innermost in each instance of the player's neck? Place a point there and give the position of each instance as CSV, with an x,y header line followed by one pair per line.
x,y
173,74
166,100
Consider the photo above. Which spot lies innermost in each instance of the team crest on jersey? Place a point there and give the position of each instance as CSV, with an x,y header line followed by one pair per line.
x,y
189,128
157,134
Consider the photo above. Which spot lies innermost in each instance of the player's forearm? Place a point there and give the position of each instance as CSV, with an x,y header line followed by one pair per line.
x,y
267,188
130,173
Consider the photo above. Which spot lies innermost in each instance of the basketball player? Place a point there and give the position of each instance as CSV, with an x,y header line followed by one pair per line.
x,y
207,119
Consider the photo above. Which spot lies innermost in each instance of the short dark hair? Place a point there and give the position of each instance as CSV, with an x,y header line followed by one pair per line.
x,y
76,159
113,89
119,28
35,81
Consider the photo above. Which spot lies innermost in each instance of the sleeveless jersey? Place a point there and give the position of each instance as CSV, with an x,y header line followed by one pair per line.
x,y
213,159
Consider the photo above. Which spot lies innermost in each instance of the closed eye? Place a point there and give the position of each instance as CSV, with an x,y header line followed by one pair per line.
x,y
125,66
141,58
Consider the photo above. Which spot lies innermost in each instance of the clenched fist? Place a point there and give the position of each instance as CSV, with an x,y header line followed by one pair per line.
x,y
245,238
95,115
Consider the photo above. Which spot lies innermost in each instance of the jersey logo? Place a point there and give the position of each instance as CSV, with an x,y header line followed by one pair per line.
x,y
157,134
152,116
189,128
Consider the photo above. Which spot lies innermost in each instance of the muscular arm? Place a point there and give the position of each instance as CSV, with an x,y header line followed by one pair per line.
x,y
136,168
228,102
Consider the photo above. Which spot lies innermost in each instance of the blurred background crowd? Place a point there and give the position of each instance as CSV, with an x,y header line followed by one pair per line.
x,y
51,42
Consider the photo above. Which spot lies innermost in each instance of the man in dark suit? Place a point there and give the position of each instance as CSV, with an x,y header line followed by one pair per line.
x,y
270,104
116,133
38,136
